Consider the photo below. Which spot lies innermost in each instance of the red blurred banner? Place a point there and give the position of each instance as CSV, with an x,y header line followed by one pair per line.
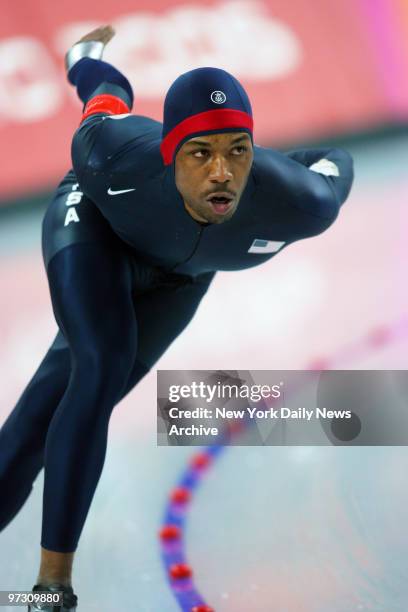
x,y
311,69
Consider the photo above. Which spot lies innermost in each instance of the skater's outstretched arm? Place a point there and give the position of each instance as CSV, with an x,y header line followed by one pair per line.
x,y
102,88
315,181
100,145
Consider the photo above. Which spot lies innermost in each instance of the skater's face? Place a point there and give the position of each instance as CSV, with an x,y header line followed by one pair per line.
x,y
211,172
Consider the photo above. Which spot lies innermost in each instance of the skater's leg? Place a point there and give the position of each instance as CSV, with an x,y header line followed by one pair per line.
x,y
22,436
161,315
91,294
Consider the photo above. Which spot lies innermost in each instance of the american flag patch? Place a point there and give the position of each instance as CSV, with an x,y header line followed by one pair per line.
x,y
265,246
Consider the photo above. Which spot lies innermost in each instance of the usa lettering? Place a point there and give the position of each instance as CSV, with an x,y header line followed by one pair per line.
x,y
72,200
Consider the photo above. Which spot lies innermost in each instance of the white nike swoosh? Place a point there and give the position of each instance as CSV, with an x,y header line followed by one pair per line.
x,y
111,192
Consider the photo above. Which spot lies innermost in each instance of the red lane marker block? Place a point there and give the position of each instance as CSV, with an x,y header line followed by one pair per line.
x,y
180,495
202,608
200,461
170,532
178,571
236,427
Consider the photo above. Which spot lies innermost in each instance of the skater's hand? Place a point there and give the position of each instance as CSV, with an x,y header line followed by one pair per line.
x,y
102,34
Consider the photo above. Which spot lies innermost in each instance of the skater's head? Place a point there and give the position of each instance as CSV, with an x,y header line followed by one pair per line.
x,y
207,136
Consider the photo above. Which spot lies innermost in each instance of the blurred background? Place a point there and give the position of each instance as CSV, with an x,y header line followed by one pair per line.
x,y
318,529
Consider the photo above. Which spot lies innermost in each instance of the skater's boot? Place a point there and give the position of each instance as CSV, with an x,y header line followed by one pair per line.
x,y
69,599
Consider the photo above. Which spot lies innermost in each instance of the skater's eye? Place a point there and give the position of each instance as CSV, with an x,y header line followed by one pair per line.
x,y
239,150
201,153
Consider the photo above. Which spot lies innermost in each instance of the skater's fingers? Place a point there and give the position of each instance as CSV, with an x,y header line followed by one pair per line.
x,y
102,34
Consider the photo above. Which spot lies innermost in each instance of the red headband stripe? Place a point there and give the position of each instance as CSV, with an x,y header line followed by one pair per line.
x,y
202,122
105,103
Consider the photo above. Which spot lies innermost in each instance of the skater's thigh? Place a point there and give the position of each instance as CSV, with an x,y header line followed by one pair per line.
x,y
72,218
88,273
91,293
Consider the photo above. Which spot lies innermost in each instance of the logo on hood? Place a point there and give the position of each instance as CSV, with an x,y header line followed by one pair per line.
x,y
218,97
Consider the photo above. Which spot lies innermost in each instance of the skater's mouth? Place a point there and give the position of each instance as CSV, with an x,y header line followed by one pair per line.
x,y
221,201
